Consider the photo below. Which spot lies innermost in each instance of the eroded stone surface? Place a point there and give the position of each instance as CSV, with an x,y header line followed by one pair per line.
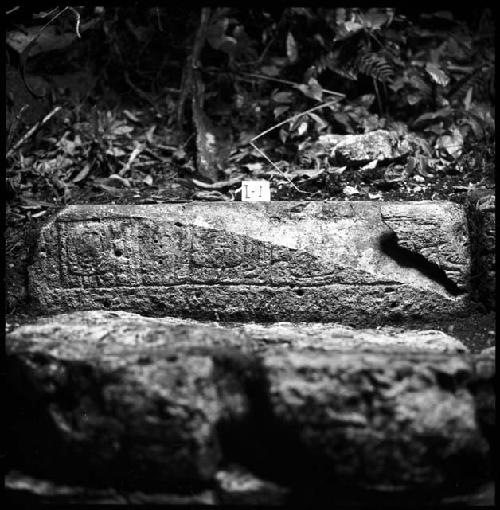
x,y
382,412
115,409
254,261
364,148
113,399
87,330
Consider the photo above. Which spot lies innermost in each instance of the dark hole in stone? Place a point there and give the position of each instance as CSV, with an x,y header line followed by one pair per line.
x,y
106,303
118,252
446,381
178,224
299,292
160,261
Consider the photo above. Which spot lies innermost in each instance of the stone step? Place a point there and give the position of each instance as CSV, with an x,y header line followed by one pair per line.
x,y
113,399
355,262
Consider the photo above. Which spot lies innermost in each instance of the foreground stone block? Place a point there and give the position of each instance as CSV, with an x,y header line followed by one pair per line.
x,y
369,420
277,261
111,399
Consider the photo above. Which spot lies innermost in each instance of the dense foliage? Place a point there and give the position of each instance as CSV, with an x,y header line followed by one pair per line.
x,y
273,81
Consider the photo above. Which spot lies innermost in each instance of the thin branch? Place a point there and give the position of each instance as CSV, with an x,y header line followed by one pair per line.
x,y
32,131
278,168
15,123
27,49
297,116
139,92
160,26
277,80
287,82
379,102
77,23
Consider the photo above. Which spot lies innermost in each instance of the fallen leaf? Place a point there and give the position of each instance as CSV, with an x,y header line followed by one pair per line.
x,y
38,214
30,207
270,70
217,185
319,121
110,189
310,173
131,116
210,195
451,144
280,110
82,174
122,130
313,89
302,128
468,99
117,180
428,117
282,97
254,167
149,134
437,74
115,151
370,166
337,170
350,190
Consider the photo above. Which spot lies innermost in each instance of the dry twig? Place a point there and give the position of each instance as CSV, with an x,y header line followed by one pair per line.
x,y
32,131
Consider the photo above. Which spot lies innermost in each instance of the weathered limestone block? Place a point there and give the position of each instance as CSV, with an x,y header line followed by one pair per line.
x,y
364,148
114,411
376,422
299,261
113,399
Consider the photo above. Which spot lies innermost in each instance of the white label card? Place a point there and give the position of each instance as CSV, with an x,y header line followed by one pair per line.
x,y
255,191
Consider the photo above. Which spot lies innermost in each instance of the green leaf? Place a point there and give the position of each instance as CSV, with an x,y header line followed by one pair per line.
x,y
280,110
437,74
270,70
291,48
282,97
313,89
